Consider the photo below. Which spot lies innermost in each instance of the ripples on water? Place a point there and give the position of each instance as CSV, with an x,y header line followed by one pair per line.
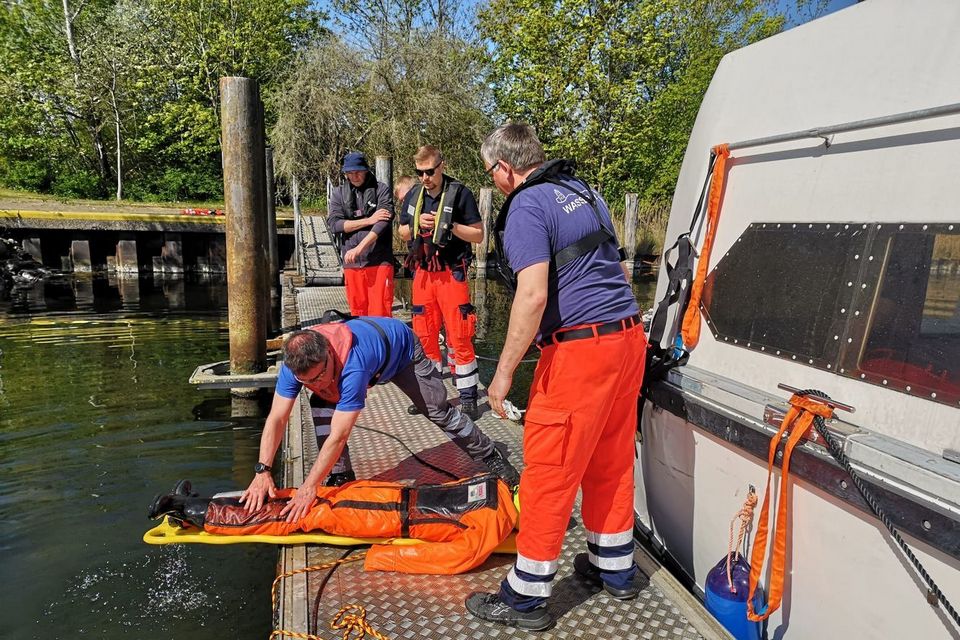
x,y
96,417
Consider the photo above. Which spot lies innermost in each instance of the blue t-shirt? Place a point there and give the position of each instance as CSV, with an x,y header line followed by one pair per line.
x,y
592,288
365,358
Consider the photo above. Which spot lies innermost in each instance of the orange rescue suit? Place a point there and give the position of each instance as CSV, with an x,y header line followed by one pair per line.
x,y
461,522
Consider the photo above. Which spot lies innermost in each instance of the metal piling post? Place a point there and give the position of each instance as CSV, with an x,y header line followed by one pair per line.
x,y
243,190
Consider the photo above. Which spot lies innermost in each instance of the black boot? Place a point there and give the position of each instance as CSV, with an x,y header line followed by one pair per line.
x,y
341,478
497,463
470,408
180,509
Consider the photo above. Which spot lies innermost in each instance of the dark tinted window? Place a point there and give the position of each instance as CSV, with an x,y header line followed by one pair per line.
x,y
913,332
877,302
780,288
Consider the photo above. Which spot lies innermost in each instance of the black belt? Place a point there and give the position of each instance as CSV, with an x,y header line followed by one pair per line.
x,y
615,326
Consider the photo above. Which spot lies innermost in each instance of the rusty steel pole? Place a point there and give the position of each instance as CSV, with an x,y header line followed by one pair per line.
x,y
243,192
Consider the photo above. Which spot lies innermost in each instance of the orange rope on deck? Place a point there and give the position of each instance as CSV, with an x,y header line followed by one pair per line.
x,y
352,618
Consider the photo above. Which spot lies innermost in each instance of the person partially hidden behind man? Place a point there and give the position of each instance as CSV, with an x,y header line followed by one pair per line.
x,y
460,522
338,362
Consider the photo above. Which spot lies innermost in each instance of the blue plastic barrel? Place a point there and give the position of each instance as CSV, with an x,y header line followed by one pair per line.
x,y
728,606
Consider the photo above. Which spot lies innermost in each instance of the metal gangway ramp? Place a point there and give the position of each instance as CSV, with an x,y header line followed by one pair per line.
x,y
386,444
318,257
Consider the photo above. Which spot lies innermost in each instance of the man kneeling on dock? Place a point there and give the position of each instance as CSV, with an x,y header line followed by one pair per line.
x,y
461,522
338,362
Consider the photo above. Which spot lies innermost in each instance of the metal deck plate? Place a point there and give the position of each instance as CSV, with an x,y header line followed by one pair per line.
x,y
312,302
317,261
432,607
413,606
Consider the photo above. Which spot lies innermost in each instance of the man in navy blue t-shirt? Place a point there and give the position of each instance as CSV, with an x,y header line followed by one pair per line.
x,y
338,362
555,237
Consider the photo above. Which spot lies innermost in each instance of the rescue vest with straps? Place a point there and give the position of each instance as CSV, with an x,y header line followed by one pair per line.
x,y
684,287
348,198
560,173
425,248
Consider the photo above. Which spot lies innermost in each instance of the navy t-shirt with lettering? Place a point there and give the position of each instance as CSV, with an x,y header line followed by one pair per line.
x,y
592,288
364,360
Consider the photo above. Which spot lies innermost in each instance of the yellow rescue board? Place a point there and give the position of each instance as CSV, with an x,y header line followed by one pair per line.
x,y
169,533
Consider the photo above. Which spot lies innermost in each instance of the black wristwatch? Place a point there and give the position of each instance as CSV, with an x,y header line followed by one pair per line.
x,y
260,467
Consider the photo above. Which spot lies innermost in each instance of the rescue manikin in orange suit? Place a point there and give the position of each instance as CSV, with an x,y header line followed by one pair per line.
x,y
460,522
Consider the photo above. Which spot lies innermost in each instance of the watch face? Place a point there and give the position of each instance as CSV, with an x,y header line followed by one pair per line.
x,y
260,468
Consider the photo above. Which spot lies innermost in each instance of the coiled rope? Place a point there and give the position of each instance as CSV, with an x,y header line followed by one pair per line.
x,y
745,516
351,618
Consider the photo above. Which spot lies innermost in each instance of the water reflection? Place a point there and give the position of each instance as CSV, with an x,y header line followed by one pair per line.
x,y
95,418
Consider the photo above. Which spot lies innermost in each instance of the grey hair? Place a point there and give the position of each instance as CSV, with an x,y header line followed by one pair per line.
x,y
516,144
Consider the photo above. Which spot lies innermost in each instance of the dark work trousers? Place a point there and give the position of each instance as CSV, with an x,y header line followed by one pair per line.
x,y
421,382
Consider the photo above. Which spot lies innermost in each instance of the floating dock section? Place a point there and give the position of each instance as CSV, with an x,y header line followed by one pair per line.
x,y
386,444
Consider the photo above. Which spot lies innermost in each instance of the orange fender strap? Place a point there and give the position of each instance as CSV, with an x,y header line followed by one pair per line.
x,y
691,318
798,422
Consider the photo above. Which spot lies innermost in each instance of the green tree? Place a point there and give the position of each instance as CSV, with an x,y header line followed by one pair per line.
x,y
615,85
403,74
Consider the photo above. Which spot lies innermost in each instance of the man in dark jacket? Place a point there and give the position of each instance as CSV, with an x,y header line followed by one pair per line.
x,y
439,217
361,209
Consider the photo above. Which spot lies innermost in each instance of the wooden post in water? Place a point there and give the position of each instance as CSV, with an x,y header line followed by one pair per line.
x,y
486,213
273,261
630,229
384,171
243,192
295,200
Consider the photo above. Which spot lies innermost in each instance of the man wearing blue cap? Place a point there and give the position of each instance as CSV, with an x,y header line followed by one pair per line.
x,y
362,210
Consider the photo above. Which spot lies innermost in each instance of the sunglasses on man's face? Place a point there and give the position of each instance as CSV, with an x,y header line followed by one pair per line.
x,y
428,172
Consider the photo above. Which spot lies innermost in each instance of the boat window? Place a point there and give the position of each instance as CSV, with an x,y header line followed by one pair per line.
x,y
876,302
912,337
781,288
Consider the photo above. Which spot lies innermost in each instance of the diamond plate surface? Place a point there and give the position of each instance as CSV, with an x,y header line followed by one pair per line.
x,y
312,302
383,445
318,261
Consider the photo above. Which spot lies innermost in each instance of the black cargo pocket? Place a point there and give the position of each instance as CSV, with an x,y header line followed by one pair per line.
x,y
546,435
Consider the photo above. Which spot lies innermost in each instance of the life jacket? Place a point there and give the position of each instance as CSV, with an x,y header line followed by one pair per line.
x,y
424,250
460,522
561,173
333,327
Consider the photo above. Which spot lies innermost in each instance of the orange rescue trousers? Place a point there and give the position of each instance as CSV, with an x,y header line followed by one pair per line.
x,y
461,522
370,290
443,298
579,433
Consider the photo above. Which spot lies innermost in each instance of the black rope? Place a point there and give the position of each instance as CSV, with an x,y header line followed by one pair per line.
x,y
454,476
323,583
833,446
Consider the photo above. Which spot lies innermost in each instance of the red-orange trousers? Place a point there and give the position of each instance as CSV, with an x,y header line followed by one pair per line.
x,y
443,297
370,290
579,432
